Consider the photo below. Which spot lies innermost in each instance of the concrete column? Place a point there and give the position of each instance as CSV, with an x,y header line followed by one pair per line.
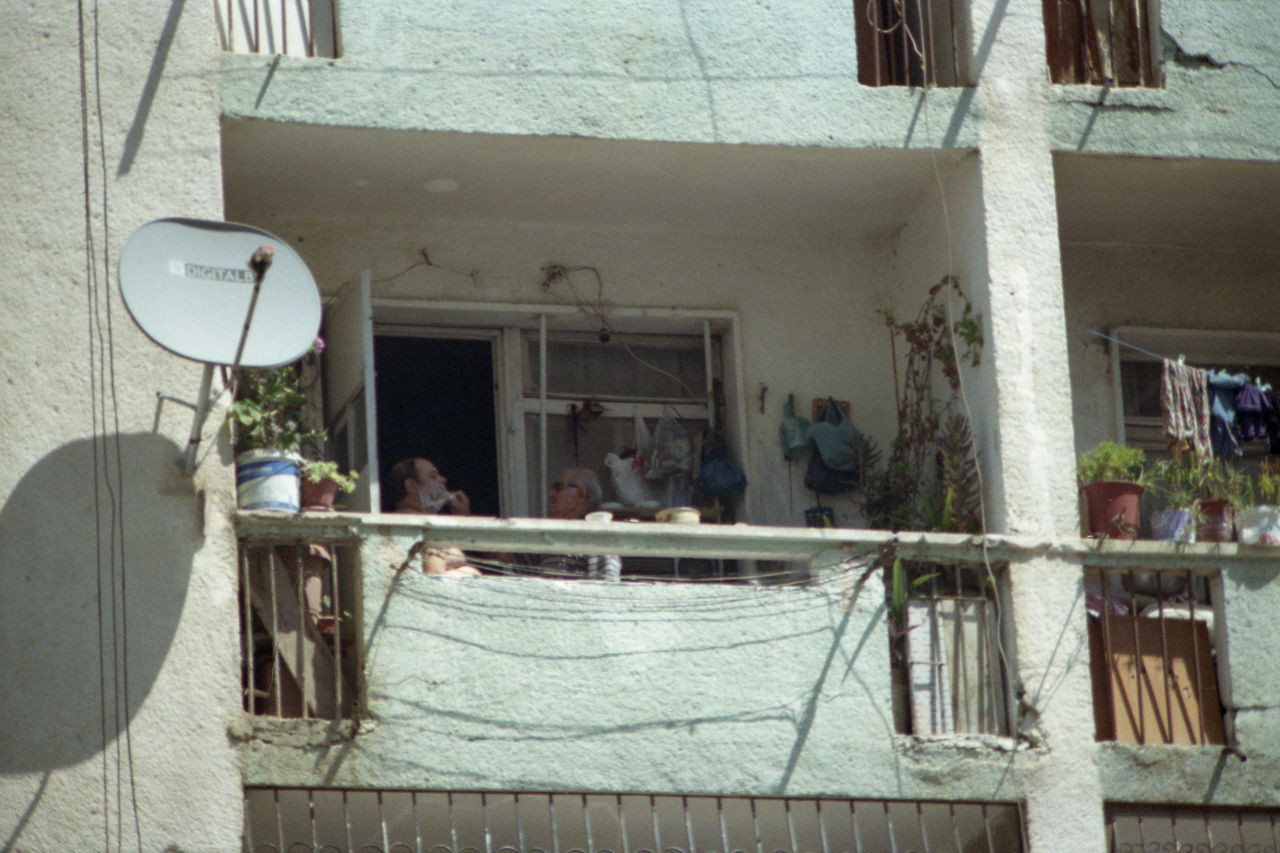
x,y
1033,464
1061,784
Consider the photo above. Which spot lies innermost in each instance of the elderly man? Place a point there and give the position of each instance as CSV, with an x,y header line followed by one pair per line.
x,y
575,493
420,488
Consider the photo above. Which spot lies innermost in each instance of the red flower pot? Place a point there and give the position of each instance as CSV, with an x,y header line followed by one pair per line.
x,y
1217,521
1113,508
319,495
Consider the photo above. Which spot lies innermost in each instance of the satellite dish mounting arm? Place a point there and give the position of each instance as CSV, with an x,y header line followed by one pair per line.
x,y
259,262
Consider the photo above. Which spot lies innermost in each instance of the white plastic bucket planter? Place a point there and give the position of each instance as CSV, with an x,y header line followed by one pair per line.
x,y
1259,525
267,479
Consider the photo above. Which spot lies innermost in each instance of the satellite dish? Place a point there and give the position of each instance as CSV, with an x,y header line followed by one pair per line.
x,y
189,286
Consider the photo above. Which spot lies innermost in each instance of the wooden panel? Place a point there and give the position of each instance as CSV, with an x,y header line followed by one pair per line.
x,y
1166,693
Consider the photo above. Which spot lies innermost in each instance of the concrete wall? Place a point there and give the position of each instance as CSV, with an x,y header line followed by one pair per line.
x,y
705,71
1221,95
119,614
528,684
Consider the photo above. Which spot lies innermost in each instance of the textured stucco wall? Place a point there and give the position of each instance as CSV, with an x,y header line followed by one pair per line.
x,y
73,776
1221,96
526,684
686,70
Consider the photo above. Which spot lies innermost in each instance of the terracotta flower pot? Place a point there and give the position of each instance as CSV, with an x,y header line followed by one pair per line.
x,y
319,496
1217,523
1113,508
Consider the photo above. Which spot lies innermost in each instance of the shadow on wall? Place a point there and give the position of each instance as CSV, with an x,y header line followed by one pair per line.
x,y
58,646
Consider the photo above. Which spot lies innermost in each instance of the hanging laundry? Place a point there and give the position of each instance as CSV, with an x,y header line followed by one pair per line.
x,y
1252,407
1223,388
1184,404
1272,419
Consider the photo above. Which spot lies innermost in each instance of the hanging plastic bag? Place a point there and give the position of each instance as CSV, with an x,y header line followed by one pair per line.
x,y
672,451
818,477
838,442
794,431
720,477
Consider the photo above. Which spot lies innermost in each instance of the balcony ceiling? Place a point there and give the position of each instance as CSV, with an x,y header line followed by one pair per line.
x,y
278,171
1213,204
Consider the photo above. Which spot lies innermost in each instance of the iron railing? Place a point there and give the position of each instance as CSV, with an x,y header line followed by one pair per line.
x,y
1152,656
381,821
298,632
1136,828
305,28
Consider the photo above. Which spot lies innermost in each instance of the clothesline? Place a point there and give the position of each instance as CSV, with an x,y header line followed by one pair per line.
x,y
1156,356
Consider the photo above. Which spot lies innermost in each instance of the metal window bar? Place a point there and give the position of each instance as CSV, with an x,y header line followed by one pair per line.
x,y
295,635
324,819
305,28
952,652
908,42
1134,827
1155,675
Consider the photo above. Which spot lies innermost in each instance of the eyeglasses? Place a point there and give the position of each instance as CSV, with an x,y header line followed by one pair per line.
x,y
557,486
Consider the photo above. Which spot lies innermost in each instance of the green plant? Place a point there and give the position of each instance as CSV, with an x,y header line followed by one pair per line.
x,y
1267,483
1179,480
1110,461
1223,482
939,341
271,409
317,471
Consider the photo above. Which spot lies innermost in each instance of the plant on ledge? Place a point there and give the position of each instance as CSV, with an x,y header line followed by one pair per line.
x,y
930,429
1113,481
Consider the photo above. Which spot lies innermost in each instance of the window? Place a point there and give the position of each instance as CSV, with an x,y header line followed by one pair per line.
x,y
910,42
1136,369
1103,42
466,386
947,651
1152,652
343,819
295,28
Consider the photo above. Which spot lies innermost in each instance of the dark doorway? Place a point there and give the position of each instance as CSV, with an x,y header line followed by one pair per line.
x,y
435,400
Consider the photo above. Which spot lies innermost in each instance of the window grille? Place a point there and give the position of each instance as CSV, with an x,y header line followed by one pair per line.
x,y
1103,42
281,27
947,659
299,639
1136,828
1152,656
298,819
909,42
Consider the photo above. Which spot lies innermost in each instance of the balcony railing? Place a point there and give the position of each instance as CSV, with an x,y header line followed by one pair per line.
x,y
281,819
305,28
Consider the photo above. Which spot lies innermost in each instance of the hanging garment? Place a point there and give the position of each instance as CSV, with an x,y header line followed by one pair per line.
x,y
1272,418
1252,407
1223,428
1184,404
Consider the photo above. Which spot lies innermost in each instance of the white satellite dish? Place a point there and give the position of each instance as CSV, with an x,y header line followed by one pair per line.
x,y
188,285
201,290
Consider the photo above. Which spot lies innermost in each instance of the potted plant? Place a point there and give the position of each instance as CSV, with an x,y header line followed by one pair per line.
x,y
1178,479
321,482
270,420
1223,489
1260,524
1113,481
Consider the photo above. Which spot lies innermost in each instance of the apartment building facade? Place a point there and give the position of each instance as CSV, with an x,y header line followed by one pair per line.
x,y
507,208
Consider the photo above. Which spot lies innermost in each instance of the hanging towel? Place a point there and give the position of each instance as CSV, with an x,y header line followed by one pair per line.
x,y
1184,403
1223,428
1252,407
